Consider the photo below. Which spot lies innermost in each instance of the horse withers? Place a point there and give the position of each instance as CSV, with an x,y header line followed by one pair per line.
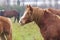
x,y
48,22
54,11
5,28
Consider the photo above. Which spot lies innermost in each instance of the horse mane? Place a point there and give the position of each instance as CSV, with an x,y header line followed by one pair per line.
x,y
37,13
48,22
54,11
40,13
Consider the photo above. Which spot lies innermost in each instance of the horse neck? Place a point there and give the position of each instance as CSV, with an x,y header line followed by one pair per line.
x,y
41,18
37,15
55,11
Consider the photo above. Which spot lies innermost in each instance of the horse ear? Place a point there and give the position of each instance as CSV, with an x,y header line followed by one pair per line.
x,y
47,11
30,7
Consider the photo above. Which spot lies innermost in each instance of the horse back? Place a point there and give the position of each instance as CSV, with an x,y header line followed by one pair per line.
x,y
11,13
5,24
54,11
50,25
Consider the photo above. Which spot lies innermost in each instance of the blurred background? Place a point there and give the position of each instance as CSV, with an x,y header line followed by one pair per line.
x,y
30,31
20,4
42,3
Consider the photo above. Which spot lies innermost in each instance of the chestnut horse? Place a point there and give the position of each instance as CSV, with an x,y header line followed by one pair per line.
x,y
54,11
11,13
48,22
5,28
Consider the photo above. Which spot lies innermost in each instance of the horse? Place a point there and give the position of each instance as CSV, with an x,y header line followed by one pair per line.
x,y
5,28
48,22
54,11
10,14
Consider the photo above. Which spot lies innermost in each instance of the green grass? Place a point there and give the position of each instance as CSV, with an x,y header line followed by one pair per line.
x,y
27,32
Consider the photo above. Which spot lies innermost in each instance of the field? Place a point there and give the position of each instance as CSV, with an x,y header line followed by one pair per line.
x,y
27,32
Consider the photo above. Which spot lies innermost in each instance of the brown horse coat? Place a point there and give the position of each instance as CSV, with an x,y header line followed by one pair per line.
x,y
5,28
54,11
48,22
11,13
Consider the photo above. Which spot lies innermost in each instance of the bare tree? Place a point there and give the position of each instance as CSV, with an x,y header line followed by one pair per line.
x,y
56,4
36,2
23,2
50,5
8,4
44,3
18,2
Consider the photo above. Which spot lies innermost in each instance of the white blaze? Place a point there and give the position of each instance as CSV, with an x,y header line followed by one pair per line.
x,y
23,16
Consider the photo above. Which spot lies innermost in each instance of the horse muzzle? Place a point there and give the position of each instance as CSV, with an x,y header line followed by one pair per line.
x,y
21,23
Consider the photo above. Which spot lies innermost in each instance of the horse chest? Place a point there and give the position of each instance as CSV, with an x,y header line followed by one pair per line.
x,y
49,32
50,28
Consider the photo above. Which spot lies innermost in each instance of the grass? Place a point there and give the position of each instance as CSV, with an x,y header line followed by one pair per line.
x,y
27,32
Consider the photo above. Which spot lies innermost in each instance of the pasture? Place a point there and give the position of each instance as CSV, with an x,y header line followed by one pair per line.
x,y
27,32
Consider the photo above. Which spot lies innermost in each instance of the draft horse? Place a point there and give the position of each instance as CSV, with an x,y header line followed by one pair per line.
x,y
10,14
48,22
5,28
